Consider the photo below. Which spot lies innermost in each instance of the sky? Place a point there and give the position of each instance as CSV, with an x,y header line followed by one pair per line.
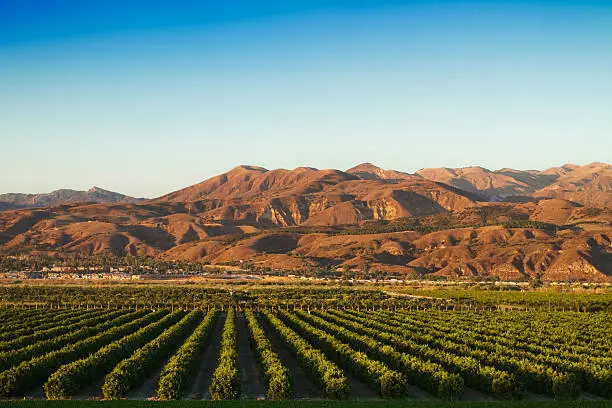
x,y
146,97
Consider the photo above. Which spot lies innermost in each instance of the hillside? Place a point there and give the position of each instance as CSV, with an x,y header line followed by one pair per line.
x,y
305,195
362,219
588,185
368,171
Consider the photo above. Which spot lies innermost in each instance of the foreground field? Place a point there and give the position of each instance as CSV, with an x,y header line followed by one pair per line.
x,y
302,404
318,354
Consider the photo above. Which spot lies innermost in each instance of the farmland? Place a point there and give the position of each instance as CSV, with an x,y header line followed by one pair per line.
x,y
236,349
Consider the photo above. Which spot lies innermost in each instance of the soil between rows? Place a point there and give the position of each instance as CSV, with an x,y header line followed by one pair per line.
x,y
252,380
357,388
207,364
303,386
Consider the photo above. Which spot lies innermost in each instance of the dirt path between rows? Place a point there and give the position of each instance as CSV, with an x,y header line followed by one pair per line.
x,y
303,386
472,394
359,389
252,381
36,393
148,389
414,392
207,364
92,391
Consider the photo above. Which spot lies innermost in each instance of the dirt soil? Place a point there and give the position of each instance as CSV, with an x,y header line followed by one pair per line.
x,y
304,387
414,392
91,392
359,389
207,364
471,394
148,389
252,380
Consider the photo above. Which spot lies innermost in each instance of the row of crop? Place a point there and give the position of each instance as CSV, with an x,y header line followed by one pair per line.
x,y
11,358
61,327
387,382
73,376
425,374
13,320
525,331
277,375
575,329
225,383
317,366
139,365
567,376
537,378
454,330
573,333
582,365
35,371
525,299
430,346
503,334
536,375
19,317
178,371
25,326
481,377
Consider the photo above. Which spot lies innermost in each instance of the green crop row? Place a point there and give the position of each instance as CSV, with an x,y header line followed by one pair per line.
x,y
177,373
225,380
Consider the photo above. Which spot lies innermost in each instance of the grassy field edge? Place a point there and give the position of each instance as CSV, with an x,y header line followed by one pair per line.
x,y
300,404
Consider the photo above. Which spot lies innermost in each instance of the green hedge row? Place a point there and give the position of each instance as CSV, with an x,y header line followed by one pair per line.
x,y
58,328
35,371
529,374
225,380
317,366
387,382
177,373
139,365
423,373
481,377
23,324
277,375
557,371
11,358
72,377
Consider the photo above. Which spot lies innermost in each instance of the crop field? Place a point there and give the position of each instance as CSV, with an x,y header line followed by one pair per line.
x,y
325,354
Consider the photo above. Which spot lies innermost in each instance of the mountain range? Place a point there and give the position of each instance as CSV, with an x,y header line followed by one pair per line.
x,y
11,201
453,222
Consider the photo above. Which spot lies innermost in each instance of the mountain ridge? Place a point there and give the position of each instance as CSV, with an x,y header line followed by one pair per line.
x,y
554,224
63,196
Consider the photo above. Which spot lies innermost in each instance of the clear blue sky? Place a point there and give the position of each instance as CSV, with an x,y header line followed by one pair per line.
x,y
145,97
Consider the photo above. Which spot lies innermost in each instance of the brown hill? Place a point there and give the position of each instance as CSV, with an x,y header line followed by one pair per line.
x,y
368,171
365,219
248,194
491,185
589,185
